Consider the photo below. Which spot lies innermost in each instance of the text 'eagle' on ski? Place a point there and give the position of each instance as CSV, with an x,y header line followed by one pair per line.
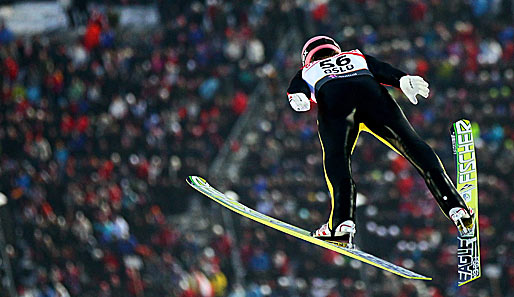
x,y
468,250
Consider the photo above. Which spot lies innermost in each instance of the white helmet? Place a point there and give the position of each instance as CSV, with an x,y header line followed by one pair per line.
x,y
317,43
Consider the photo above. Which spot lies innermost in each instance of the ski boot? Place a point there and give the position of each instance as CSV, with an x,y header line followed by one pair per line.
x,y
342,235
464,220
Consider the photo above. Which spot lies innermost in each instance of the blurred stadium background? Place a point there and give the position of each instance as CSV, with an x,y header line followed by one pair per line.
x,y
107,106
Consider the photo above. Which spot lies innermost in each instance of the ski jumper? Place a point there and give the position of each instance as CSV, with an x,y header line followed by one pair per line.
x,y
347,89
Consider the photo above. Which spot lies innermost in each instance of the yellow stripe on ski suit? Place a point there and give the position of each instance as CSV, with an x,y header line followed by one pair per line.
x,y
329,184
362,127
268,221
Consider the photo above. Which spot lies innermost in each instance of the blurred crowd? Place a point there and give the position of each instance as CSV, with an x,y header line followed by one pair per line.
x,y
98,133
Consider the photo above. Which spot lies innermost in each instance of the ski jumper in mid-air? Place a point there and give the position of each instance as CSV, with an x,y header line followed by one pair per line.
x,y
346,85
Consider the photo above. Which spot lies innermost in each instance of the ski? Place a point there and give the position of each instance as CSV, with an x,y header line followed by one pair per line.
x,y
203,187
468,252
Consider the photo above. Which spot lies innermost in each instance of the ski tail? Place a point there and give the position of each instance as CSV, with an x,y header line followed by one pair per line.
x,y
468,252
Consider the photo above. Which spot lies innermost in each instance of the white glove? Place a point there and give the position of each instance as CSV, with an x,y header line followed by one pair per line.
x,y
412,86
299,102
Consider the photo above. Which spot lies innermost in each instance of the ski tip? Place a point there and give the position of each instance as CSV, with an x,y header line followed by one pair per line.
x,y
196,180
191,179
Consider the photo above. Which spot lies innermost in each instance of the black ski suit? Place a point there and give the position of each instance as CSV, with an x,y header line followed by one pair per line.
x,y
352,104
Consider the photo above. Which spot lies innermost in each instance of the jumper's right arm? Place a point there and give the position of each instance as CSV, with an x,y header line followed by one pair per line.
x,y
299,93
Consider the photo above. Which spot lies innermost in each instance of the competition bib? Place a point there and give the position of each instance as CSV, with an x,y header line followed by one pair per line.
x,y
343,65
